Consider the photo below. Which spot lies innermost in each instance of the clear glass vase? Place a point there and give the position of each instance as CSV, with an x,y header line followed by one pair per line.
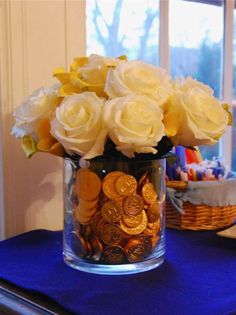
x,y
114,220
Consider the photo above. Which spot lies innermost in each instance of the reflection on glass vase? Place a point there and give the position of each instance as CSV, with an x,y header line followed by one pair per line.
x,y
114,221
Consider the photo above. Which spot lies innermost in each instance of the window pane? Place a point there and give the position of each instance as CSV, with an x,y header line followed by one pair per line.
x,y
234,141
234,53
118,27
234,109
196,45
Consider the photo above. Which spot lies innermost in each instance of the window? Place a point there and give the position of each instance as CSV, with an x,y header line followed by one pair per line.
x,y
199,31
234,92
117,27
196,47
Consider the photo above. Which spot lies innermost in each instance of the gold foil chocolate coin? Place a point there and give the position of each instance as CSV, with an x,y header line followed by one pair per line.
x,y
149,232
102,199
95,220
86,231
82,247
138,248
146,240
88,204
89,249
114,255
133,205
132,221
153,212
100,227
97,248
152,228
136,253
88,184
137,229
110,234
83,215
143,180
78,245
108,185
149,194
155,240
111,211
126,185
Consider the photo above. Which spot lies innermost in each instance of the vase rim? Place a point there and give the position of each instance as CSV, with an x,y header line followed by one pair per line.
x,y
121,158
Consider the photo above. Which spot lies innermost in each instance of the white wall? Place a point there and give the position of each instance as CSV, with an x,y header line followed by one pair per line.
x,y
35,37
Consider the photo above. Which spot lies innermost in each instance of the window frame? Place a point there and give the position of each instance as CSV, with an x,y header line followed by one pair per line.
x,y
227,82
226,143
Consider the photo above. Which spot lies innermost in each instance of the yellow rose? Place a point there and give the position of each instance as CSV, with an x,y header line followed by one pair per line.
x,y
46,141
86,74
186,84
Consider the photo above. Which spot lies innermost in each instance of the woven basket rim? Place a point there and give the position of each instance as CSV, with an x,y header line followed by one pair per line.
x,y
197,217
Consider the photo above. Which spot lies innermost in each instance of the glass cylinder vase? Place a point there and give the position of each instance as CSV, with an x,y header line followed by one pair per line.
x,y
114,220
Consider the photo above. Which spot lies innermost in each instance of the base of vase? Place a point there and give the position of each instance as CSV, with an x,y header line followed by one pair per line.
x,y
121,269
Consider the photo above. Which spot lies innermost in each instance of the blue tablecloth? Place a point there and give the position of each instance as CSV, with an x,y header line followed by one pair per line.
x,y
198,277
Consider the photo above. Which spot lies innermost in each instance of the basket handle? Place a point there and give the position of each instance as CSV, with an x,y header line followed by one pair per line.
x,y
178,185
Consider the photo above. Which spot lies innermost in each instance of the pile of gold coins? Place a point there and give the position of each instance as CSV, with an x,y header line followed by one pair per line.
x,y
118,217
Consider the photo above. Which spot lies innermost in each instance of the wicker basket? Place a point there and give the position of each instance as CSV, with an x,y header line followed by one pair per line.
x,y
197,217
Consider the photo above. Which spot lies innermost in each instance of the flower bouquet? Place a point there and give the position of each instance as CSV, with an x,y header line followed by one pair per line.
x,y
113,121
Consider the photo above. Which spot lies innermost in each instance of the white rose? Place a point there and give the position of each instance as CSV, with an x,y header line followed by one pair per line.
x,y
185,84
78,125
134,124
95,71
140,78
41,104
193,116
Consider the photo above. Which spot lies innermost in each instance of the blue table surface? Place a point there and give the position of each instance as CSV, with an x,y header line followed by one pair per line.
x,y
197,277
